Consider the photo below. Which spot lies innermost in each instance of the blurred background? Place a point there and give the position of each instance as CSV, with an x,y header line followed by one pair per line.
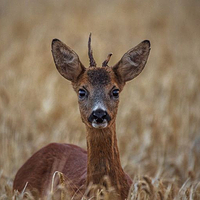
x,y
158,124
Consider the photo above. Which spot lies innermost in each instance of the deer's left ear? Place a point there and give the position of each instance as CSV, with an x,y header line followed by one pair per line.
x,y
133,62
67,61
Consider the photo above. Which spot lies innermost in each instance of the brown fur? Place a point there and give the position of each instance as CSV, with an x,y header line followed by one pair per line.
x,y
79,167
38,170
104,160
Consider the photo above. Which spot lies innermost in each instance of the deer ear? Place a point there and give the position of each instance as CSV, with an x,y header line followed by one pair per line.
x,y
133,62
66,60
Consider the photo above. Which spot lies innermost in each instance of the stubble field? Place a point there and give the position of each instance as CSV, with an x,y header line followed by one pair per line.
x,y
158,124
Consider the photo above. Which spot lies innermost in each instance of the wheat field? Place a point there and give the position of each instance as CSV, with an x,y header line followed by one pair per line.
x,y
158,123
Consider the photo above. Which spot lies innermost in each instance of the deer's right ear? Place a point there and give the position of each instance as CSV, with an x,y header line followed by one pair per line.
x,y
66,60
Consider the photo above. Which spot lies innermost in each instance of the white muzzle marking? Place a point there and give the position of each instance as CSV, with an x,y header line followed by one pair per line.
x,y
104,124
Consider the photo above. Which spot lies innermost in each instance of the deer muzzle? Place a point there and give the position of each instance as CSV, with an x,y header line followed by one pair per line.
x,y
99,118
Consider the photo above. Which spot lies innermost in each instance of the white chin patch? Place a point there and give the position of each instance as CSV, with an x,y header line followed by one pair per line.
x,y
104,124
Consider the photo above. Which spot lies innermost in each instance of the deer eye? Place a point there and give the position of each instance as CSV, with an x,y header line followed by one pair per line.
x,y
82,93
115,93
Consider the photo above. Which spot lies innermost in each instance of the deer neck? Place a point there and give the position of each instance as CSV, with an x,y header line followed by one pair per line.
x,y
103,157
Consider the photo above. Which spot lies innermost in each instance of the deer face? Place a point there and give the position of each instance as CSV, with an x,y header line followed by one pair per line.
x,y
98,93
98,88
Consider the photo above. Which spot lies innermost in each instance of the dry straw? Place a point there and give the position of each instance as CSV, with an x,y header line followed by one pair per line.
x,y
158,122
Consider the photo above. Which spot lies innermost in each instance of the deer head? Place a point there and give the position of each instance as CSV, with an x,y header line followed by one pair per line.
x,y
98,88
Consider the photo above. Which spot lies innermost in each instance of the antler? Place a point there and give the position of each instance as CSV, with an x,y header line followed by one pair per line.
x,y
105,63
92,61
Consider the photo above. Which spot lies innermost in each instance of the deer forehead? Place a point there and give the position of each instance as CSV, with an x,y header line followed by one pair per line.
x,y
98,78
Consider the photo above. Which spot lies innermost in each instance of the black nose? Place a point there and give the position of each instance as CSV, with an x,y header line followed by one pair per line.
x,y
99,115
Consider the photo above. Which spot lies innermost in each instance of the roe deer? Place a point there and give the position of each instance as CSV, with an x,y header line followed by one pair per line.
x,y
98,90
